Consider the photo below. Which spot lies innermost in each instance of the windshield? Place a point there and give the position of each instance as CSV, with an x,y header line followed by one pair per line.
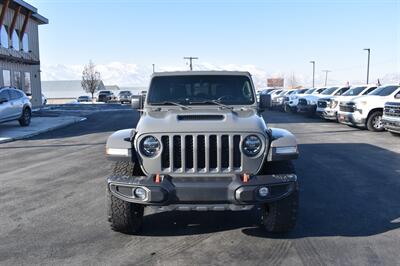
x,y
354,91
329,91
199,89
302,91
125,93
384,91
105,92
310,91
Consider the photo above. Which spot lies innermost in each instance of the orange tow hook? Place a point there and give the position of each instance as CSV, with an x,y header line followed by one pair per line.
x,y
157,179
246,178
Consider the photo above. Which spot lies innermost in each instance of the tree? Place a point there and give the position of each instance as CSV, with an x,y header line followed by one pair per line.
x,y
90,78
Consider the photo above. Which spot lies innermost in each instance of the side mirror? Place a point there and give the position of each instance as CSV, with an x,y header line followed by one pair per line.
x,y
265,101
3,100
397,96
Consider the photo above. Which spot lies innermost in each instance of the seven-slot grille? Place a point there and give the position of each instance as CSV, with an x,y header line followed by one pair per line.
x,y
392,109
201,153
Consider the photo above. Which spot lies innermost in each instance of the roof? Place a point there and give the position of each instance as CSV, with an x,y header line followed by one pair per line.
x,y
209,72
35,15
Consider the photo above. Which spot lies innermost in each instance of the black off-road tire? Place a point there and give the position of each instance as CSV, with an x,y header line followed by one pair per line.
x,y
372,122
280,216
25,119
124,216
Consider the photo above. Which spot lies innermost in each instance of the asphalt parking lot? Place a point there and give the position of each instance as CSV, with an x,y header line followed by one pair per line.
x,y
52,208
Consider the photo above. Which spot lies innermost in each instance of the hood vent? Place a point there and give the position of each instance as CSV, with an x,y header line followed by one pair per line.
x,y
199,117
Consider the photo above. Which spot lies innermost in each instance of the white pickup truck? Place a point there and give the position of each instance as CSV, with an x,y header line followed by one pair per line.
x,y
391,116
308,103
328,107
367,110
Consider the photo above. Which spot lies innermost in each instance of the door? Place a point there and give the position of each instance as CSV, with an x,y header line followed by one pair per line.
x,y
16,103
5,107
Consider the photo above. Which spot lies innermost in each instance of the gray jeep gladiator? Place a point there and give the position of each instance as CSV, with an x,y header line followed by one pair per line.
x,y
202,145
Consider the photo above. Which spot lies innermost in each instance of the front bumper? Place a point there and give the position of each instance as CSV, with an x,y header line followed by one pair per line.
x,y
309,108
203,193
351,119
391,124
327,113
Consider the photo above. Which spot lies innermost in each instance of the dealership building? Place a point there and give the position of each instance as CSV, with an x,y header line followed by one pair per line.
x,y
19,47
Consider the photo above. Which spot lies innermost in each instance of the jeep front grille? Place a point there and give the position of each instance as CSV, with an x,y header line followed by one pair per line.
x,y
201,153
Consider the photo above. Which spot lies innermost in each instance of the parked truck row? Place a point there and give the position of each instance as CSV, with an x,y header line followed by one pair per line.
x,y
376,108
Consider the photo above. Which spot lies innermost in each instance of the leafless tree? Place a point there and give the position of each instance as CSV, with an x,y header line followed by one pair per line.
x,y
90,78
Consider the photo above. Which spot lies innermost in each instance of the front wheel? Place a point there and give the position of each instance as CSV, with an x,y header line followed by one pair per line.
x,y
374,122
125,217
25,119
281,216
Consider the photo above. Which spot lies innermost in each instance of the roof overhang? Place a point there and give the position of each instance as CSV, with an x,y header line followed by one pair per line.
x,y
29,8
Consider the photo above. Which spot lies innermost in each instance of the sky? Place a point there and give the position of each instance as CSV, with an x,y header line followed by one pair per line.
x,y
268,38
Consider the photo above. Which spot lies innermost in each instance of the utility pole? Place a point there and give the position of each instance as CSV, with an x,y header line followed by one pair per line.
x,y
369,57
313,73
326,76
190,58
154,66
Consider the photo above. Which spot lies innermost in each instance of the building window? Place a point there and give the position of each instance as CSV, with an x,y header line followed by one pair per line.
x,y
17,80
27,83
25,42
3,37
15,40
6,78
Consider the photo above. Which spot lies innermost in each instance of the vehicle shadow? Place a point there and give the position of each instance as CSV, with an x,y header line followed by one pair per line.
x,y
351,192
279,117
95,123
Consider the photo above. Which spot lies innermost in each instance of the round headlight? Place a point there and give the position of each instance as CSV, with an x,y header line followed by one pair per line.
x,y
150,146
252,145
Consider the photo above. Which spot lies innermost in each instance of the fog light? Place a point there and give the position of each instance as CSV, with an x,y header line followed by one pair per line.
x,y
140,193
263,191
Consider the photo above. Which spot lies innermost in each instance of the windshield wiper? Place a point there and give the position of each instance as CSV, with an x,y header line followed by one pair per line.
x,y
216,102
173,103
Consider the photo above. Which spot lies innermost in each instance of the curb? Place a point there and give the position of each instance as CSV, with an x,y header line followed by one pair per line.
x,y
43,131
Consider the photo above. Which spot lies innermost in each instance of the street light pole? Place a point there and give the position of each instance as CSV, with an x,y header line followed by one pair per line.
x,y
313,73
154,67
190,58
326,76
369,57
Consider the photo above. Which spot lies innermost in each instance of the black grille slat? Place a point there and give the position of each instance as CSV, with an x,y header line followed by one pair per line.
x,y
165,160
237,157
213,153
224,151
189,151
201,152
177,152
